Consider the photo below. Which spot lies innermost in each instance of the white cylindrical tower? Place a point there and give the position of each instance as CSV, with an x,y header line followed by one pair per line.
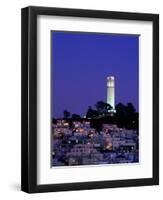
x,y
111,91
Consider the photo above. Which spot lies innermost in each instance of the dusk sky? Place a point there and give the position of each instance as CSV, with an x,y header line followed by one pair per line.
x,y
82,61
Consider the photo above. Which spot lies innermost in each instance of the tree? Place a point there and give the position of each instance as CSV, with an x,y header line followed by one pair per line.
x,y
130,110
100,106
91,113
120,109
126,116
66,114
103,107
130,116
75,116
108,107
120,114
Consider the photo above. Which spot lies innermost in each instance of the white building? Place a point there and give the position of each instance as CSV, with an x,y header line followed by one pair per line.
x,y
111,92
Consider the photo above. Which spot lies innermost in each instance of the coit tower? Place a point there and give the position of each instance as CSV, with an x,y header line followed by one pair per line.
x,y
111,92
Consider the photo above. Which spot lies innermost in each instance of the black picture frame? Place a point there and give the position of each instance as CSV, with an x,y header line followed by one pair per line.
x,y
29,99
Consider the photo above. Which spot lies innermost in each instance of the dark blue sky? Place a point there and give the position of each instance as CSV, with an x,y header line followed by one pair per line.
x,y
82,61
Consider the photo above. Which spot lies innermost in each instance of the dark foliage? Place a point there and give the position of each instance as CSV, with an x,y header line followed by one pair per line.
x,y
125,116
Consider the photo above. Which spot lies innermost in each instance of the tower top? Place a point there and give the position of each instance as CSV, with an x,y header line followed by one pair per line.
x,y
110,78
